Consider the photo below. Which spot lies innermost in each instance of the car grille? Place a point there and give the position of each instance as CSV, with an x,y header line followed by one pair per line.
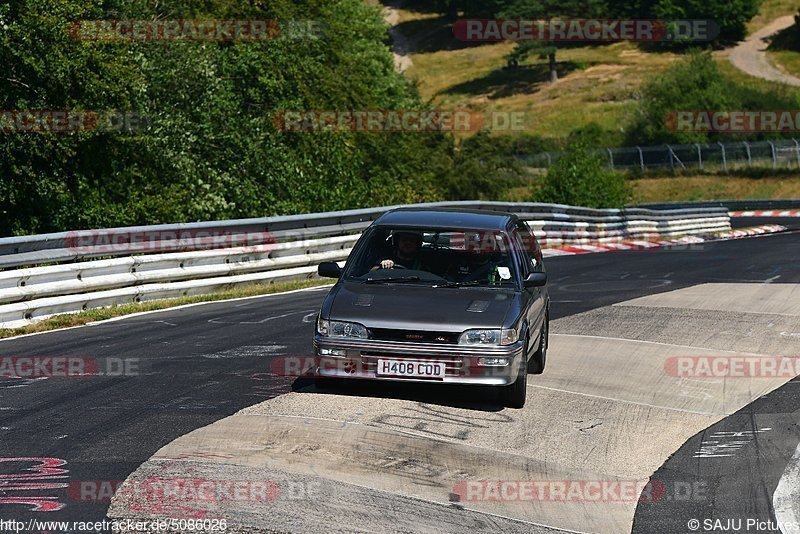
x,y
452,364
414,336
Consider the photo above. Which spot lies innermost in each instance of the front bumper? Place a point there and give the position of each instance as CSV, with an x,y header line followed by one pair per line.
x,y
359,359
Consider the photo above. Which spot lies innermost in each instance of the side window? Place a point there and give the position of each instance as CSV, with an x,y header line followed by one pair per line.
x,y
528,246
520,244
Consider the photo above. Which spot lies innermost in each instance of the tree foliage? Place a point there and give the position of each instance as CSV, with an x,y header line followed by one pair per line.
x,y
210,149
580,178
731,16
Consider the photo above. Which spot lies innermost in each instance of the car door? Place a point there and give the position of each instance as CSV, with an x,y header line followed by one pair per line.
x,y
529,257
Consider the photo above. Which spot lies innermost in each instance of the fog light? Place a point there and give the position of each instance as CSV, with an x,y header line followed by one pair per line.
x,y
493,362
332,352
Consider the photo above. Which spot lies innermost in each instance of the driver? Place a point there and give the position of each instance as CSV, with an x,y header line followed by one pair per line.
x,y
407,245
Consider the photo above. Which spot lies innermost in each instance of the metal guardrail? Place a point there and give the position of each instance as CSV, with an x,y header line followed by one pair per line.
x,y
284,248
731,205
782,153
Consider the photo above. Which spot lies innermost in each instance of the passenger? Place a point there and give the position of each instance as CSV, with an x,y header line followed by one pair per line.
x,y
477,267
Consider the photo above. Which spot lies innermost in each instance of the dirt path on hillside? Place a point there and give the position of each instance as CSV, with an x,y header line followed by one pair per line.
x,y
401,45
750,55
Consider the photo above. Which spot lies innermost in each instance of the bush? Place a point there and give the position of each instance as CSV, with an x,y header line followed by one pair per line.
x,y
697,84
580,178
484,167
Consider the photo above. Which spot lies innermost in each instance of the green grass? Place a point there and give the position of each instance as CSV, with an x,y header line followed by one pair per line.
x,y
789,60
784,50
771,10
743,184
712,187
100,314
597,84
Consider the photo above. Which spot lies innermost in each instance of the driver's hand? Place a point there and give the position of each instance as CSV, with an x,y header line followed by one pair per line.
x,y
387,264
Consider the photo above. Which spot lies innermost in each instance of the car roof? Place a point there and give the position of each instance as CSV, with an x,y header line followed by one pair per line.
x,y
447,218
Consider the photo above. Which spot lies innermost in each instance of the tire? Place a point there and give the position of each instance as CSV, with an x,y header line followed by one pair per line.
x,y
514,395
539,359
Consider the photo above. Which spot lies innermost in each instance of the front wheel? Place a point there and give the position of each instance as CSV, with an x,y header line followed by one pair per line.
x,y
514,395
539,359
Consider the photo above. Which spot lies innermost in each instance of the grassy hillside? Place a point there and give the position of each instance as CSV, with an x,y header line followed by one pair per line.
x,y
691,187
598,83
770,10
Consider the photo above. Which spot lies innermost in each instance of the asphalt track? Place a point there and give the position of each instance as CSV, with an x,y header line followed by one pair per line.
x,y
200,364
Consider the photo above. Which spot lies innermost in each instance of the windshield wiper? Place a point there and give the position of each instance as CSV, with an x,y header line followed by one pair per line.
x,y
463,284
392,279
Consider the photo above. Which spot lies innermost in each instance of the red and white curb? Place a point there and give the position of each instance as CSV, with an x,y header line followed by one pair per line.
x,y
766,213
681,243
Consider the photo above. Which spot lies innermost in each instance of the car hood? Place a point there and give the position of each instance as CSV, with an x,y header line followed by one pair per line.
x,y
409,307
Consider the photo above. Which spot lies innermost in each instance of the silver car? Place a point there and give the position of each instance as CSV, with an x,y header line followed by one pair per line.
x,y
438,295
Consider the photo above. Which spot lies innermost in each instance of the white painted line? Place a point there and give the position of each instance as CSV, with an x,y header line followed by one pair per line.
x,y
221,320
786,499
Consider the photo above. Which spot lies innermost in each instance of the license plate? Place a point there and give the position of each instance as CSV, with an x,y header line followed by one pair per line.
x,y
410,369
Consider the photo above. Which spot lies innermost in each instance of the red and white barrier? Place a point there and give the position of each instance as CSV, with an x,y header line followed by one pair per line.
x,y
682,243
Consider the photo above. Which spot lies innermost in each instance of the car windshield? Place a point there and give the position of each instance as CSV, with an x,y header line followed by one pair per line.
x,y
436,257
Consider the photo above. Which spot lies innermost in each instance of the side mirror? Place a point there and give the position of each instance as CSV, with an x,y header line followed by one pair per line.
x,y
329,269
537,279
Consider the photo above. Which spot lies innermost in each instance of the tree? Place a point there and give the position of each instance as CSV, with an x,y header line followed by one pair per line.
x,y
211,149
548,9
731,16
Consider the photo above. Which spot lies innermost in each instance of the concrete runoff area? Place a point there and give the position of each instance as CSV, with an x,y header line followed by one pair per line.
x,y
773,299
610,407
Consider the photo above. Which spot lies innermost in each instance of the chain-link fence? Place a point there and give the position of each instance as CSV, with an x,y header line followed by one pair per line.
x,y
783,153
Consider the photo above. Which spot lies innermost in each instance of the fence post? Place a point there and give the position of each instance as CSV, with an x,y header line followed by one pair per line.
x,y
549,160
699,155
724,159
774,155
749,159
797,151
641,158
610,158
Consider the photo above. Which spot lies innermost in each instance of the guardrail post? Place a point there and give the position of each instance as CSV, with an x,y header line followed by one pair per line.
x,y
747,148
774,155
549,160
699,156
724,159
641,158
610,158
797,151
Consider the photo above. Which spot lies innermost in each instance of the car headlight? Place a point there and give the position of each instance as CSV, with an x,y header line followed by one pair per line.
x,y
506,336
341,329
